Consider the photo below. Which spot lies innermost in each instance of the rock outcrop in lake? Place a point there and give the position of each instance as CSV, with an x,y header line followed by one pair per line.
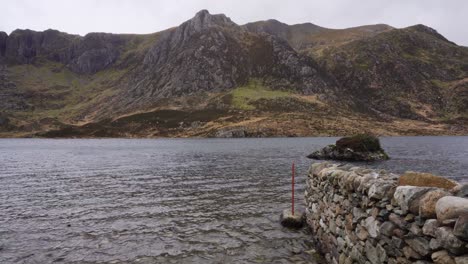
x,y
356,148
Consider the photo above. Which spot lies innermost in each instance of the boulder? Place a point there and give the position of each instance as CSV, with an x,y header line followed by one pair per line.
x,y
451,207
425,180
356,148
408,197
428,202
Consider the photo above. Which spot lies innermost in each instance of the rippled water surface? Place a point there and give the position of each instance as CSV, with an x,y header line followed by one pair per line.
x,y
172,200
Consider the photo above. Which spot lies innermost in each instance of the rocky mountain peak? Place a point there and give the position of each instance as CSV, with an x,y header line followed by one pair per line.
x,y
203,19
427,30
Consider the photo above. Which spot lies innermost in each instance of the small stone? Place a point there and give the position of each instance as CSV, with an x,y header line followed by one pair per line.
x,y
461,260
399,212
420,245
434,244
397,242
384,213
415,229
296,251
358,214
410,253
361,233
430,227
461,227
287,219
379,190
387,228
397,220
442,257
375,254
399,233
449,222
340,243
402,260
451,207
409,218
372,226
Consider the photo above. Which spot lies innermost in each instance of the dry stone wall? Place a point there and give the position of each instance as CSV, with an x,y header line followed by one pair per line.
x,y
359,215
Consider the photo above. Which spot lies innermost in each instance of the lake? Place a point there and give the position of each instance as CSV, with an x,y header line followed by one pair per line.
x,y
173,200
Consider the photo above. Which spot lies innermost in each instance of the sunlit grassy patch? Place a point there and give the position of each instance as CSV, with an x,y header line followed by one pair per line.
x,y
242,96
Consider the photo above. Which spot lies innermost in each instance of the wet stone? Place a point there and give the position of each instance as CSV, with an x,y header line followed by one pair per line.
x,y
287,219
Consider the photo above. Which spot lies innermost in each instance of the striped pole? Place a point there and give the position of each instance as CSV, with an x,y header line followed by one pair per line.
x,y
292,198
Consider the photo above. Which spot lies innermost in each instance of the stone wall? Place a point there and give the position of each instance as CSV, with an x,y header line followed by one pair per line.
x,y
360,215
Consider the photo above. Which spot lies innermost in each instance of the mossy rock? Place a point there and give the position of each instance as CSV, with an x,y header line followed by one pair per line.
x,y
361,143
420,179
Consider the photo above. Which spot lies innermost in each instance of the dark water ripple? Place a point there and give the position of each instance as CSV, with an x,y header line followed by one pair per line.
x,y
171,200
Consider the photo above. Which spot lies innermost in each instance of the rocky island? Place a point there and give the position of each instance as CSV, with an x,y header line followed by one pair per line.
x,y
360,147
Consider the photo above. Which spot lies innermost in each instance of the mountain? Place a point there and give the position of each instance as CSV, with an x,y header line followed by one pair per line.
x,y
312,39
212,77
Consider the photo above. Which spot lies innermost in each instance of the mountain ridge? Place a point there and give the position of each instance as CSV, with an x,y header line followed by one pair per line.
x,y
267,72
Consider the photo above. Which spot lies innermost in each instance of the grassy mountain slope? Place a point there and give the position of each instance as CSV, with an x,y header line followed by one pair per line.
x,y
411,73
209,75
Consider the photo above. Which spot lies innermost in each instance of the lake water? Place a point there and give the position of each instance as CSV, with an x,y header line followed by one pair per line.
x,y
172,200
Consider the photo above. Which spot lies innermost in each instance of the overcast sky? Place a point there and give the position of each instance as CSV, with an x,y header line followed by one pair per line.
x,y
448,17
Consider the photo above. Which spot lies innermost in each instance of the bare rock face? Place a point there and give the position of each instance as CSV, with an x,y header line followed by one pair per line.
x,y
96,51
212,53
87,54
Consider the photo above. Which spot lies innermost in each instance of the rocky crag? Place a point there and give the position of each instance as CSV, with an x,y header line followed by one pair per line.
x,y
360,215
213,75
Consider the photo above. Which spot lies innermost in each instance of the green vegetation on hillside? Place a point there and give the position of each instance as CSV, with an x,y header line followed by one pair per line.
x,y
242,97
